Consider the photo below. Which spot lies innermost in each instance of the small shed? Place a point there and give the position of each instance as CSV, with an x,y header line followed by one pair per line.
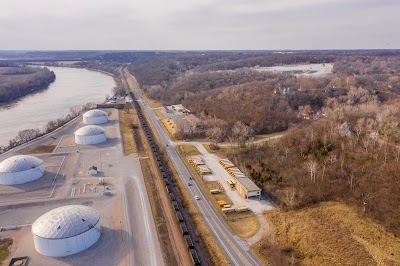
x,y
93,170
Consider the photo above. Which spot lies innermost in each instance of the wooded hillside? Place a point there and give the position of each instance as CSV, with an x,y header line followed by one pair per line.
x,y
227,85
336,159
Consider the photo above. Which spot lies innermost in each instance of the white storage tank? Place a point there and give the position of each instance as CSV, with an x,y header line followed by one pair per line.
x,y
20,169
90,135
94,117
66,230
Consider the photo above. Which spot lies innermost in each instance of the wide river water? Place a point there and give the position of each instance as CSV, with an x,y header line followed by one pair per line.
x,y
72,87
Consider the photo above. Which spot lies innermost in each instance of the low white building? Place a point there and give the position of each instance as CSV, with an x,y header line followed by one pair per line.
x,y
20,169
93,171
95,117
179,108
66,230
88,135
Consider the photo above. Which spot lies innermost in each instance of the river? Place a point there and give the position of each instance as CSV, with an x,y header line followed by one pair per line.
x,y
72,87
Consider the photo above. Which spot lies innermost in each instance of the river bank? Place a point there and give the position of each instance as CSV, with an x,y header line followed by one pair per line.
x,y
73,87
16,82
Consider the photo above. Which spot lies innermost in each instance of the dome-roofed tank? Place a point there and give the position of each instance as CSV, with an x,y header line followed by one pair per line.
x,y
94,117
90,135
20,169
66,230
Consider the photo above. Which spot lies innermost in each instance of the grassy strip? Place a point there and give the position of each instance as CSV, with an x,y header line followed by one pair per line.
x,y
189,150
41,149
242,224
166,130
5,244
157,113
170,125
158,213
127,124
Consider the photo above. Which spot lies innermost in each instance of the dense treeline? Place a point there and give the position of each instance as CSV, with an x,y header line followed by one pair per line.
x,y
162,70
367,65
265,113
109,67
337,158
19,81
225,85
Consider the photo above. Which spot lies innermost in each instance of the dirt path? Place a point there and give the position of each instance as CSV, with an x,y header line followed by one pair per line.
x,y
264,229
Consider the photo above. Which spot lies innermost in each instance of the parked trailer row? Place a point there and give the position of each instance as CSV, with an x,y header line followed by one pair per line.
x,y
175,205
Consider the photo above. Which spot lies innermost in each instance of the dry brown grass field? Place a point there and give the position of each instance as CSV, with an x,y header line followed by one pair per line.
x,y
127,120
329,234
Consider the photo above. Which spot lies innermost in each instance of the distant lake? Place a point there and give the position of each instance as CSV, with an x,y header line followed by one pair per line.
x,y
72,87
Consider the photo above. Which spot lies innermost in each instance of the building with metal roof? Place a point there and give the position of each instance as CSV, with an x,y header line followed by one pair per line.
x,y
66,230
195,121
90,135
244,185
203,169
196,160
247,189
226,163
95,117
20,169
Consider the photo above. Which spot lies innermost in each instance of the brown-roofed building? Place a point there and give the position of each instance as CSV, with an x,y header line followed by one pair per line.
x,y
194,121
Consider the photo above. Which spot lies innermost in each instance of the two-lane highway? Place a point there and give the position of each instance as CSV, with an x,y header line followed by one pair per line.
x,y
236,253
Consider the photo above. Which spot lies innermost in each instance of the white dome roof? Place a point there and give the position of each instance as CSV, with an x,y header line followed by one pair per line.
x,y
90,131
64,222
95,113
19,163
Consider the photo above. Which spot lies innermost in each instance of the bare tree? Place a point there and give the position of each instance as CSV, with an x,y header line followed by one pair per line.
x,y
364,199
217,130
312,169
241,133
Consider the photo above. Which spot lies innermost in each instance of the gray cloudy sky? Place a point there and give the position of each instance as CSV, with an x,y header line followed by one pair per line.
x,y
199,24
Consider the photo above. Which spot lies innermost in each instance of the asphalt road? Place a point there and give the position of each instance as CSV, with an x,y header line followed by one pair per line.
x,y
234,250
143,246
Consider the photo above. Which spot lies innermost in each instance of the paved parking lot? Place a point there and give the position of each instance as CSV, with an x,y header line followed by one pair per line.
x,y
221,175
178,117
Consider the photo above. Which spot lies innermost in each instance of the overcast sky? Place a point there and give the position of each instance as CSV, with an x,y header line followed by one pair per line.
x,y
199,24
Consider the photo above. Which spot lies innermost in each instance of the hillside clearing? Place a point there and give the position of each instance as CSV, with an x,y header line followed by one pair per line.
x,y
327,234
